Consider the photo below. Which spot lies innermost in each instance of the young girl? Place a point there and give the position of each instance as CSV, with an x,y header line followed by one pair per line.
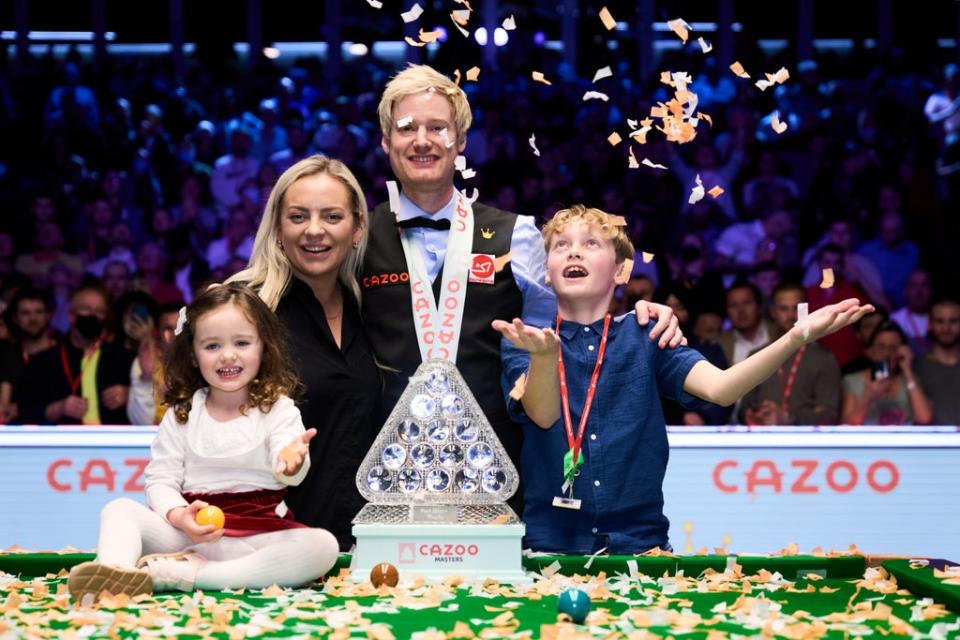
x,y
230,438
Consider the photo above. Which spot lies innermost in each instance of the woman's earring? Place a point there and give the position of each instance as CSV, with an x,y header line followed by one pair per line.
x,y
280,244
356,245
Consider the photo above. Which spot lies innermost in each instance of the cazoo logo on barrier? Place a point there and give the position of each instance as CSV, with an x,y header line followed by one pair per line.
x,y
805,476
62,473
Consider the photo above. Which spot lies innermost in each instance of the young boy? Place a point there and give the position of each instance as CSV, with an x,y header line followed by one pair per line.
x,y
597,482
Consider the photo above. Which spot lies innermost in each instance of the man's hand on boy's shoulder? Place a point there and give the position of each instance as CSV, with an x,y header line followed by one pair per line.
x,y
667,327
522,336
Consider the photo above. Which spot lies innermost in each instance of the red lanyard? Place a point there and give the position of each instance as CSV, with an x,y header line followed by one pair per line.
x,y
65,362
791,378
574,442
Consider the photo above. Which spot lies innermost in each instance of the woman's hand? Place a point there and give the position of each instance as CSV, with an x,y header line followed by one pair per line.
x,y
829,319
905,359
538,342
292,456
185,519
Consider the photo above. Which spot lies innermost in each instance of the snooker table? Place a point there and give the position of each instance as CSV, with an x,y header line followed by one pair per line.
x,y
835,595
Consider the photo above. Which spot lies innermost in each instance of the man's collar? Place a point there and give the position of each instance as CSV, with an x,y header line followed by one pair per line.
x,y
409,210
569,328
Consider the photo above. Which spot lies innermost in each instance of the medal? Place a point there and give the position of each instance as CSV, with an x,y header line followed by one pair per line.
x,y
572,461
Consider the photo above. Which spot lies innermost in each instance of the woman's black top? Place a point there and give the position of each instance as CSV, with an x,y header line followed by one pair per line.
x,y
340,398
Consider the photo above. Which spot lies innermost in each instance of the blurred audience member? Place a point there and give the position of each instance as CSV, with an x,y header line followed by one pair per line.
x,y
887,393
86,378
806,388
858,269
894,256
749,330
938,373
914,316
844,343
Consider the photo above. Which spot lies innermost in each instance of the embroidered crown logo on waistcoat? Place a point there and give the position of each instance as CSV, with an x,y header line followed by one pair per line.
x,y
487,233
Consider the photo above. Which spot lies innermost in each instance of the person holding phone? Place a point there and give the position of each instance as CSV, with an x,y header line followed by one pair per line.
x,y
887,393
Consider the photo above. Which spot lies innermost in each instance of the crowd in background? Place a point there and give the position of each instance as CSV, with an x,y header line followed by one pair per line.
x,y
126,189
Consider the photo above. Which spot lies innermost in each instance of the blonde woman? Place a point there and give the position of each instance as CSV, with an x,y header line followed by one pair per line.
x,y
304,265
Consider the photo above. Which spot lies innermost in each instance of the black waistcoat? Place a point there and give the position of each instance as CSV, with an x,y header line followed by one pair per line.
x,y
388,316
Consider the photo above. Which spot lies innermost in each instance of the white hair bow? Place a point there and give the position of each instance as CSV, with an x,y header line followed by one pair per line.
x,y
181,321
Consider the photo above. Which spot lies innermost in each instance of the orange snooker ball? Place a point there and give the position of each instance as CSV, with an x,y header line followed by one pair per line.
x,y
211,515
384,573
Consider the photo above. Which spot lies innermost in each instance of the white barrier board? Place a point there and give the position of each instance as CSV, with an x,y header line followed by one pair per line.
x,y
885,490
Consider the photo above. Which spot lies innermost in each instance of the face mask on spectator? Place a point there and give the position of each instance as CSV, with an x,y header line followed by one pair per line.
x,y
90,327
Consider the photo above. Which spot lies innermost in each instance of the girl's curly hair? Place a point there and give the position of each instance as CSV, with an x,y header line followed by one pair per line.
x,y
275,377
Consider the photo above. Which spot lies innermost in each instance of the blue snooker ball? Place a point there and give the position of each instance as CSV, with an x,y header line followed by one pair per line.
x,y
575,603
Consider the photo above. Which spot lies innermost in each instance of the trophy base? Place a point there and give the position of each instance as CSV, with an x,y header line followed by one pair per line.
x,y
439,541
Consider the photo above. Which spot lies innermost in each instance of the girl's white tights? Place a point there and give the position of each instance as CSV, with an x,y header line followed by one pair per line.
x,y
289,558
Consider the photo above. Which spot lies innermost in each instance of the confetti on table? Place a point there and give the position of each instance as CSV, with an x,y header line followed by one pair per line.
x,y
776,124
509,23
533,144
607,19
738,70
614,139
595,95
413,13
705,46
680,27
539,77
827,280
603,72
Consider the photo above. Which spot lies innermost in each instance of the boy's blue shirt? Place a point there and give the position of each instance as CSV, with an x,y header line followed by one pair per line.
x,y
625,447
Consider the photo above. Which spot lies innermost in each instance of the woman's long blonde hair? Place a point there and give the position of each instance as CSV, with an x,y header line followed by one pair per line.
x,y
268,271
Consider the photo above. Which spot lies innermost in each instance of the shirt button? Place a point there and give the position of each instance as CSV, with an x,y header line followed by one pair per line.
x,y
590,347
594,530
596,483
586,329
593,436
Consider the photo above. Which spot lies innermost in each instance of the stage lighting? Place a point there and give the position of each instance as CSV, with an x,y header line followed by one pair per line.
x,y
271,52
500,37
480,35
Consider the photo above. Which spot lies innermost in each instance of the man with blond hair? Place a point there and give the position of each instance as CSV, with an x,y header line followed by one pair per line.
x,y
440,267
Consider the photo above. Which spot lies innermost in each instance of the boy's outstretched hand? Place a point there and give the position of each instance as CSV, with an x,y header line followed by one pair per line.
x,y
536,341
829,319
292,456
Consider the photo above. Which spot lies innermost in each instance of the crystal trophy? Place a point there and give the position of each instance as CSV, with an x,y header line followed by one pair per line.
x,y
437,480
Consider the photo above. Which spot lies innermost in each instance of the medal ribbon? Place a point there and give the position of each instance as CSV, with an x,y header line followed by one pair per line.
x,y
791,378
438,326
572,460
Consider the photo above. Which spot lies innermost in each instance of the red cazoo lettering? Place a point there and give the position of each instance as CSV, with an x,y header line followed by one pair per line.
x,y
839,476
97,471
448,550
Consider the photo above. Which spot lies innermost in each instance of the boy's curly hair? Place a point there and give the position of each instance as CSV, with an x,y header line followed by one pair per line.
x,y
275,377
609,227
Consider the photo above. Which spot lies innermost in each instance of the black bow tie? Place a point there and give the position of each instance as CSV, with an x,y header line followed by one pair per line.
x,y
441,224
